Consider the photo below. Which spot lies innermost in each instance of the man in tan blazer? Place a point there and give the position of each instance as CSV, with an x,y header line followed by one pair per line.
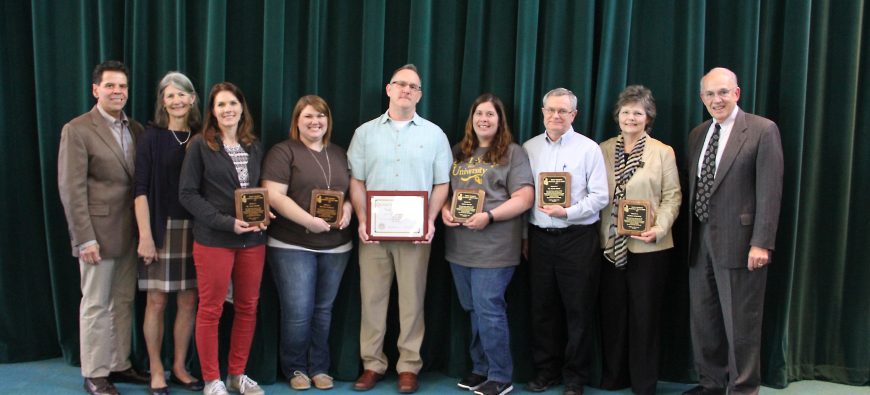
x,y
95,181
734,200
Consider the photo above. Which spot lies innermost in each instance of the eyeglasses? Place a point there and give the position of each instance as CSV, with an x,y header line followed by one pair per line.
x,y
405,84
722,93
561,111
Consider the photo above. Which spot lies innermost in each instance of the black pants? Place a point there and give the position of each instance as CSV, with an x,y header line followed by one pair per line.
x,y
630,314
563,275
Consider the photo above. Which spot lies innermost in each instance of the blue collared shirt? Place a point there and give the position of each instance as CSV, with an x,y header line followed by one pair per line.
x,y
413,158
576,154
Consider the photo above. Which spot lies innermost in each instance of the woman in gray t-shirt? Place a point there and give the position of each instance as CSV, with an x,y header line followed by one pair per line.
x,y
484,250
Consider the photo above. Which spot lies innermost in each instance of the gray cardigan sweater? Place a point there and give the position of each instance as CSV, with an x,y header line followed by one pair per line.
x,y
207,190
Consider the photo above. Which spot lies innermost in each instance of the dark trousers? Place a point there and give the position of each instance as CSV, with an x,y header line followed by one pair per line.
x,y
564,271
630,303
725,314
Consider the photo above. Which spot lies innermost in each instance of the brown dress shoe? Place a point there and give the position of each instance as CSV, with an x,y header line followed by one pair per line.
x,y
99,386
131,375
408,382
367,380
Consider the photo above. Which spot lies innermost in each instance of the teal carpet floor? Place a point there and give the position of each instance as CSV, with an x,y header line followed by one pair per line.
x,y
55,377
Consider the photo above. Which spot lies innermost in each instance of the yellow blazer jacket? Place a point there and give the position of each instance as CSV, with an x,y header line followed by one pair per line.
x,y
658,182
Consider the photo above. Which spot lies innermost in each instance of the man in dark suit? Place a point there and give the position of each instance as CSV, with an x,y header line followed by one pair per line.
x,y
735,186
95,181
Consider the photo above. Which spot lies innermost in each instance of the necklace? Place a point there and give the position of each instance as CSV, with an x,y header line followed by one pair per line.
x,y
173,132
328,166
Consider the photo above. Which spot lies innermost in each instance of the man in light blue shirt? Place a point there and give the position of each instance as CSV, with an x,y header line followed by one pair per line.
x,y
563,248
398,151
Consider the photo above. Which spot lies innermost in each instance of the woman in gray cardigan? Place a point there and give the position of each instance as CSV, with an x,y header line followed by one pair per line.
x,y
226,156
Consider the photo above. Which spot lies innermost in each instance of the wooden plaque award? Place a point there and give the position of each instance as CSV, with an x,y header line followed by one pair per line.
x,y
634,217
465,203
252,205
554,189
327,204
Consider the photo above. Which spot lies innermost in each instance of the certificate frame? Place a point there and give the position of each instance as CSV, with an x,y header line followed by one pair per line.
x,y
634,217
397,215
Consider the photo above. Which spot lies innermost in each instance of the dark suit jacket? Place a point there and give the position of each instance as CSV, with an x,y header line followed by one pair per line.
x,y
95,182
744,206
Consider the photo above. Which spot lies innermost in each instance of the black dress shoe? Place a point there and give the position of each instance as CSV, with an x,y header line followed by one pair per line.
x,y
159,391
130,375
699,390
99,386
195,385
540,384
573,389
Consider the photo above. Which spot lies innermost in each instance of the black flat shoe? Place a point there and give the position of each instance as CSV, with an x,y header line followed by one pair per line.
x,y
195,385
159,391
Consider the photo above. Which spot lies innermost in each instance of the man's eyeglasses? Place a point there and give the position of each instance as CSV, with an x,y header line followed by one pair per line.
x,y
561,111
405,84
722,93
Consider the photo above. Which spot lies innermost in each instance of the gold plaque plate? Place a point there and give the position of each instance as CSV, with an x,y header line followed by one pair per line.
x,y
554,189
634,218
252,205
465,203
328,205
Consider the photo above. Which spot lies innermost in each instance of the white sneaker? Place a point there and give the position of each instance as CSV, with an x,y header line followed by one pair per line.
x,y
243,385
215,387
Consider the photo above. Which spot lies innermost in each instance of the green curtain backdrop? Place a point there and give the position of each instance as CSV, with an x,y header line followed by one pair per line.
x,y
801,63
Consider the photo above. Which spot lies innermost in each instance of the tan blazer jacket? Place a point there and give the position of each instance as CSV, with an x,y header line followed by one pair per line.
x,y
95,182
658,182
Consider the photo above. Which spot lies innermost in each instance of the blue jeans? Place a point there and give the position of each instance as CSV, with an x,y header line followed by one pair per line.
x,y
481,294
307,283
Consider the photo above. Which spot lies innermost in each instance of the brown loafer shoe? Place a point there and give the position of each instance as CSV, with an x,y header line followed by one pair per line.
x,y
408,383
131,375
367,380
99,386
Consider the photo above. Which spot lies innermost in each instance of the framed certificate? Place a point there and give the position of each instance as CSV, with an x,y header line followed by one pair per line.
x,y
327,204
397,215
465,203
252,205
634,217
554,189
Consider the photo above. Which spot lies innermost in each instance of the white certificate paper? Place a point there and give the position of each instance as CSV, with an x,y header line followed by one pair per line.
x,y
397,216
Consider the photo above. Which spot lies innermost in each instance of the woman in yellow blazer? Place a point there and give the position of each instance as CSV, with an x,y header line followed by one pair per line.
x,y
634,268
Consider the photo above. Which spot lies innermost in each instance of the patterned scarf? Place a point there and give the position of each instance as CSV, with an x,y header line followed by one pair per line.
x,y
623,169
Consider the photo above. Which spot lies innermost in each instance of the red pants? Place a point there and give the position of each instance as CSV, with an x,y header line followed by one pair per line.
x,y
215,267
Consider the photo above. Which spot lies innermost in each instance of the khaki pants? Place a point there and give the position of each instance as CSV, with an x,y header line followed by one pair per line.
x,y
378,264
106,314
